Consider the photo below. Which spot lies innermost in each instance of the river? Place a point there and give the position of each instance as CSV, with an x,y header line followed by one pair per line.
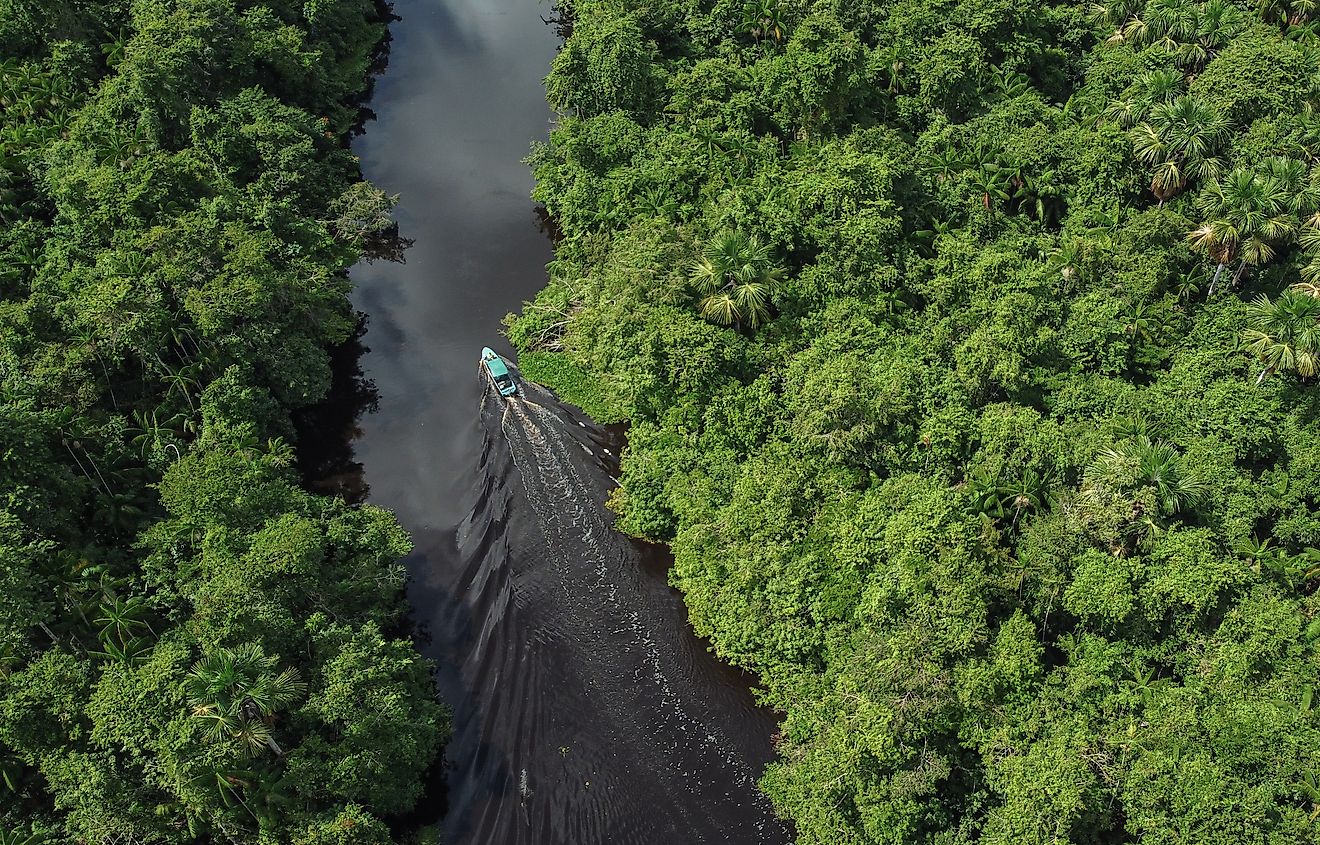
x,y
585,711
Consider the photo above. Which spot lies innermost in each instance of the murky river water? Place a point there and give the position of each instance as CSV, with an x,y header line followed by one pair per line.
x,y
585,710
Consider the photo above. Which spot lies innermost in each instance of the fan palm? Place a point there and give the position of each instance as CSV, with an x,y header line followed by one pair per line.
x,y
1310,241
1179,138
1159,86
1217,22
1245,215
736,275
1285,333
1300,186
1141,463
1114,13
1171,23
237,692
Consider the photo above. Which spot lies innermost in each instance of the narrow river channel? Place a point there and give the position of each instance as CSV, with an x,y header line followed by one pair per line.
x,y
585,711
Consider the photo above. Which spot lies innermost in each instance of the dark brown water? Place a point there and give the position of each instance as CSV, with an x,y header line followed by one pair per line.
x,y
585,710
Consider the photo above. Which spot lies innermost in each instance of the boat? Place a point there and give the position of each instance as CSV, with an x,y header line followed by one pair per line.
x,y
498,371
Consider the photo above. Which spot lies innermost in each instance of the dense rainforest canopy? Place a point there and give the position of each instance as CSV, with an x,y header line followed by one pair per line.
x,y
192,648
971,350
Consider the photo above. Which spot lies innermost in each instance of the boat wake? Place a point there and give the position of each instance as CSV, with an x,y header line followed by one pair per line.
x,y
589,711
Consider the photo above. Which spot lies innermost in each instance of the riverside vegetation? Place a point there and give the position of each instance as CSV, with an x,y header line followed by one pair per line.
x,y
970,350
192,648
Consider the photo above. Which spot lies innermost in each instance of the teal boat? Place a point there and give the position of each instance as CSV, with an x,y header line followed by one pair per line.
x,y
498,371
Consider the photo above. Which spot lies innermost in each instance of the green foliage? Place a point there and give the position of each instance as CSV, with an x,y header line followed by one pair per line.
x,y
236,695
373,761
990,502
178,210
572,383
1285,333
735,277
611,67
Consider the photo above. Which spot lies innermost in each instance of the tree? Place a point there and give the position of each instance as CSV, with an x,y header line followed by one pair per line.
x,y
736,276
608,64
236,693
1154,88
1285,333
1141,464
1180,138
1245,216
379,729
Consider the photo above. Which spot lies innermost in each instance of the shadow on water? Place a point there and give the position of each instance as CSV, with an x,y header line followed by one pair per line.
x,y
327,431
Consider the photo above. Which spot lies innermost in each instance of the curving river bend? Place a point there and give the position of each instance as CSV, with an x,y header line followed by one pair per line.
x,y
585,711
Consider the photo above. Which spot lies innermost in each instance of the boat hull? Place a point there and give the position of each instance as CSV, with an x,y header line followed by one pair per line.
x,y
498,372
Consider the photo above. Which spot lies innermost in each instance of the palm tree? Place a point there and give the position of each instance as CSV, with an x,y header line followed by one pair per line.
x,y
1030,492
944,163
1143,322
1179,138
114,51
1114,13
272,795
1254,551
710,139
19,836
1285,333
1007,84
1069,257
12,771
1245,214
736,276
764,19
1189,283
1170,23
1159,86
133,652
1141,463
121,619
893,59
1310,241
1217,23
150,433
1144,682
1042,194
236,692
990,183
1300,187
984,488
